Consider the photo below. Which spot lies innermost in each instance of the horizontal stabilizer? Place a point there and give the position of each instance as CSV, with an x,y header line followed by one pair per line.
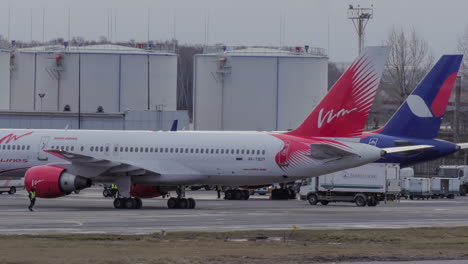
x,y
462,145
322,151
406,148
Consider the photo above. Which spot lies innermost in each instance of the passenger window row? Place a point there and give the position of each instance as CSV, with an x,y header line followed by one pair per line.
x,y
165,150
15,147
189,150
65,148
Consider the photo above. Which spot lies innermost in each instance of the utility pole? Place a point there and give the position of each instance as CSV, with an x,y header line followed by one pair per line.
x,y
360,17
456,124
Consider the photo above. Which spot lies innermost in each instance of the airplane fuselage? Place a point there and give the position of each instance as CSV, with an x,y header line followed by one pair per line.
x,y
169,158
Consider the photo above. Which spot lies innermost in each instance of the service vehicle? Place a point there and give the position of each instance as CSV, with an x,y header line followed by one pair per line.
x,y
419,188
11,185
459,172
445,187
365,185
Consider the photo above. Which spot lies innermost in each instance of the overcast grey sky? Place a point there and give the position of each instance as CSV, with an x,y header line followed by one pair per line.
x,y
240,22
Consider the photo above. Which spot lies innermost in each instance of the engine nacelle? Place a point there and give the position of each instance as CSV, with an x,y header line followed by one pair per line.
x,y
146,191
53,181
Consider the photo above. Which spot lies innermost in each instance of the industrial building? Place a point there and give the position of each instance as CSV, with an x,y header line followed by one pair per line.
x,y
89,87
257,88
98,78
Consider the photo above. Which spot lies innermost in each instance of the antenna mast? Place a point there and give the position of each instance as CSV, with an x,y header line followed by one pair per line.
x,y
360,17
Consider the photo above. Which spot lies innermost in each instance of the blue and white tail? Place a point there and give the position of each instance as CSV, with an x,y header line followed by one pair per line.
x,y
421,114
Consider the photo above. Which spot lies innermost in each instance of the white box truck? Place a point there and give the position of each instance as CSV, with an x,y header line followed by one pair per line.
x,y
364,185
11,185
459,172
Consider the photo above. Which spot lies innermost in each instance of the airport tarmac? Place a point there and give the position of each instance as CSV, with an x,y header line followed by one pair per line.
x,y
89,212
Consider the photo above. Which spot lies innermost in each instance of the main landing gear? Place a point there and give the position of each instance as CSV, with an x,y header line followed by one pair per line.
x,y
128,203
181,202
236,194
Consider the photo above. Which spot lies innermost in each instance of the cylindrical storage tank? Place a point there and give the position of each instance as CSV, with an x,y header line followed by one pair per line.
x,y
4,79
257,89
99,82
114,78
22,81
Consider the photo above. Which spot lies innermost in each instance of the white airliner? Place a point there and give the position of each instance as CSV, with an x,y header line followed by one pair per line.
x,y
146,164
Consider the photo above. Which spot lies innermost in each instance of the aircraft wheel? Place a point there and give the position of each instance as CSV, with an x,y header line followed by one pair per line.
x,y
130,203
172,203
191,203
182,203
246,194
291,194
119,203
138,203
228,195
238,195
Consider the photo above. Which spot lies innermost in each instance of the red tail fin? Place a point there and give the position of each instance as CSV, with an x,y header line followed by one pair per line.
x,y
344,110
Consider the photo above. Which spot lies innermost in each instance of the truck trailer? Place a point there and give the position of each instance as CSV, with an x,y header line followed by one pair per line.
x,y
419,188
444,187
364,185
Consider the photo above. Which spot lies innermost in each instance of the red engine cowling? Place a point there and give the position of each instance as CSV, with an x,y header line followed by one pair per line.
x,y
146,191
53,181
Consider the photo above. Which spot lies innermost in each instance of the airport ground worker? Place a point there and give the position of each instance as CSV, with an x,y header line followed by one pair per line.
x,y
218,190
32,199
115,190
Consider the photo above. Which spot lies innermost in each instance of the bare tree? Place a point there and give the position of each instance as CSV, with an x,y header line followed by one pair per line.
x,y
409,61
462,47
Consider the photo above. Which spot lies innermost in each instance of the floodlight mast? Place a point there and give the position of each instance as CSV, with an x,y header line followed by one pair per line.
x,y
360,17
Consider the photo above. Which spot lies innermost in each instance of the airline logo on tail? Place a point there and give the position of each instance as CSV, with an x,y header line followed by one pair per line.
x,y
344,110
329,116
419,107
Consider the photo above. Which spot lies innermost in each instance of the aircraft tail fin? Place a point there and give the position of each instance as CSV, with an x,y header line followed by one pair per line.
x,y
343,112
421,114
174,125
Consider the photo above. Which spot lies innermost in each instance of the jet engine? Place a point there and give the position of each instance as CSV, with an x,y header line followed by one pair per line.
x,y
53,181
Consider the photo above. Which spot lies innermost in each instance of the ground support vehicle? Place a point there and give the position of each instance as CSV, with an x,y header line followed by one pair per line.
x,y
262,191
108,191
364,185
459,172
416,188
10,186
444,187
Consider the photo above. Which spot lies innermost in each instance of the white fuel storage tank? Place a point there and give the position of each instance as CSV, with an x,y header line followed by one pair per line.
x,y
257,88
112,78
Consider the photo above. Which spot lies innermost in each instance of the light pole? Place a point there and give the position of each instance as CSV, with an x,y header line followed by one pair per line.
x,y
360,16
41,95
